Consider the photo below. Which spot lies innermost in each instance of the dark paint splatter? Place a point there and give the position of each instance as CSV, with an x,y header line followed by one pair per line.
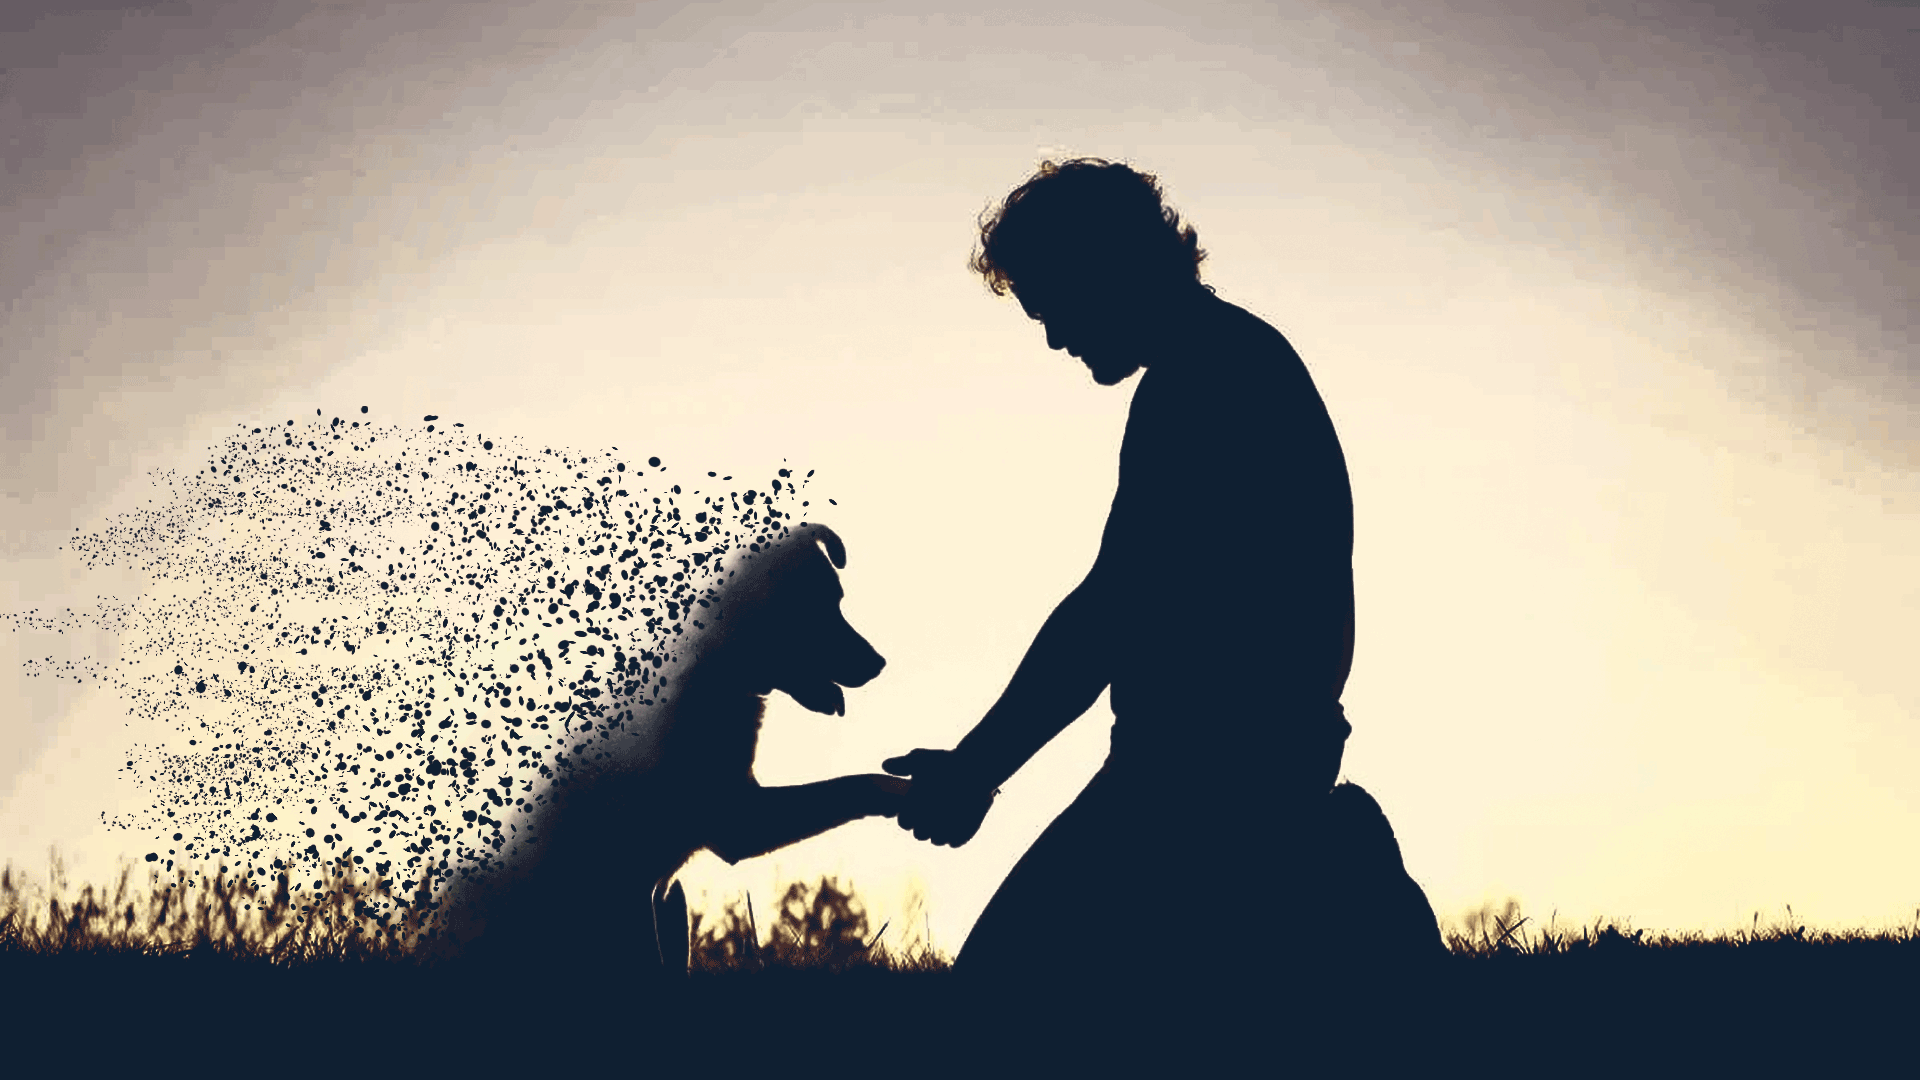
x,y
420,630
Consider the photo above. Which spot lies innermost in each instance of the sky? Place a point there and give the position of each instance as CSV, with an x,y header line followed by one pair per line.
x,y
1613,313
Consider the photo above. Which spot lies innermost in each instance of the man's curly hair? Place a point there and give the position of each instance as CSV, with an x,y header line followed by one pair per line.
x,y
1084,214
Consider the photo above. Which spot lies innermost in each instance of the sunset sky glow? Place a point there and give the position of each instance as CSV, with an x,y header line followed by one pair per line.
x,y
1614,317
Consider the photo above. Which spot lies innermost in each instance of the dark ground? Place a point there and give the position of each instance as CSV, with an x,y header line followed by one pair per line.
x,y
1833,1009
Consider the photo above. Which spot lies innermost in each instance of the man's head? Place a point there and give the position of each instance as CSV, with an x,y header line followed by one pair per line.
x,y
1090,249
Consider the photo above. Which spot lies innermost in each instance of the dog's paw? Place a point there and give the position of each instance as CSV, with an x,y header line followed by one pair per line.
x,y
890,792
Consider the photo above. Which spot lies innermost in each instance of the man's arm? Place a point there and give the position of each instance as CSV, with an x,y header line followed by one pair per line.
x,y
1068,665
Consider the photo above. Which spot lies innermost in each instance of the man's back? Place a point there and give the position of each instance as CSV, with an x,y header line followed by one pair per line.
x,y
1231,543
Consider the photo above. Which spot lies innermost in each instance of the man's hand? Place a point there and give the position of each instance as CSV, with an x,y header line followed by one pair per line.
x,y
947,802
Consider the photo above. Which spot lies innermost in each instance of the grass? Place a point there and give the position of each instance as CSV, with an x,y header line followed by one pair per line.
x,y
808,970
346,918
819,927
166,961
1504,933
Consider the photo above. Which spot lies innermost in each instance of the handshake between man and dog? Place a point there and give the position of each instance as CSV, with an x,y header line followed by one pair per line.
x,y
777,625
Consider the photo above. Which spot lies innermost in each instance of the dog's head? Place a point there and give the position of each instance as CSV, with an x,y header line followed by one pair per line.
x,y
783,625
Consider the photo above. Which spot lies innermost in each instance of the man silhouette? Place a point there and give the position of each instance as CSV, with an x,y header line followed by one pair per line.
x,y
1219,611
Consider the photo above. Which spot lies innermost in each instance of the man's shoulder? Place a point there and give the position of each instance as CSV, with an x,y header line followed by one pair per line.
x,y
1250,338
1232,355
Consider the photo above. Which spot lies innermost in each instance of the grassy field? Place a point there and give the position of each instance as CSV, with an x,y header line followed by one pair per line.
x,y
171,956
224,917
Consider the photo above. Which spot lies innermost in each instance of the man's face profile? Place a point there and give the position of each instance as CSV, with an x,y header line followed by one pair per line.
x,y
1095,324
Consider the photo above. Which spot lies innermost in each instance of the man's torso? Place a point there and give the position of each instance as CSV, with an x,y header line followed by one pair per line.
x,y
1230,543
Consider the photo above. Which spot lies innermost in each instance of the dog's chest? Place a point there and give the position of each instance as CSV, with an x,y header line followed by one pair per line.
x,y
714,742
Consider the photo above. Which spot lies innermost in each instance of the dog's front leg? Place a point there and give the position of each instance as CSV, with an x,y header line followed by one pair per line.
x,y
670,930
762,819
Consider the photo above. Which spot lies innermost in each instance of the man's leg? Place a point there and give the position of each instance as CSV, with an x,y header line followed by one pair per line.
x,y
1363,855
1062,911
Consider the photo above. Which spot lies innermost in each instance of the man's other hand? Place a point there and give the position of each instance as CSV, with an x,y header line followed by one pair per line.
x,y
946,803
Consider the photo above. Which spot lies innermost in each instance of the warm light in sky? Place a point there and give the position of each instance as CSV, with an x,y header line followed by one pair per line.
x,y
1614,320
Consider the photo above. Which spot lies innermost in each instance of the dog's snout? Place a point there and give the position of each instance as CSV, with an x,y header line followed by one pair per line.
x,y
869,672
862,661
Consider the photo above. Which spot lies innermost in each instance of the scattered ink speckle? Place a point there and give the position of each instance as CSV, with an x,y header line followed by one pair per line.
x,y
420,652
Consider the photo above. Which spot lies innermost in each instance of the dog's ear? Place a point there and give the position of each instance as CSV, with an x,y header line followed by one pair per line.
x,y
836,548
